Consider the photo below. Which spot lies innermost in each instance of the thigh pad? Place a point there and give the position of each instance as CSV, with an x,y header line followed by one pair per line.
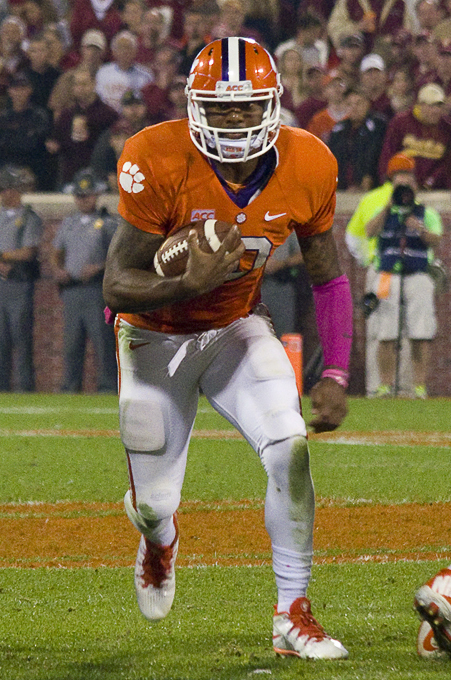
x,y
142,425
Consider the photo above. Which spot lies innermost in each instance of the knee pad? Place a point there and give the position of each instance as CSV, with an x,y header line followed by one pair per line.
x,y
148,514
281,425
287,464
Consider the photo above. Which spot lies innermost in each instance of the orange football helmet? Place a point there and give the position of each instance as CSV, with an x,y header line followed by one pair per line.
x,y
231,70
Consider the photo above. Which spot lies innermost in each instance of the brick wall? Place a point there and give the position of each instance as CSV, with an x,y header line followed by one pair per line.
x,y
48,317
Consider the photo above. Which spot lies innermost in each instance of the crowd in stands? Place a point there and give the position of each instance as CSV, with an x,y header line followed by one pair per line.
x,y
369,77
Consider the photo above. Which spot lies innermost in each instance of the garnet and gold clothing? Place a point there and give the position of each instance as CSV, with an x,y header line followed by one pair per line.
x,y
165,183
428,145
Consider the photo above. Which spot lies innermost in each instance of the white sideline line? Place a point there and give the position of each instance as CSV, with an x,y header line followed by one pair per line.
x,y
42,410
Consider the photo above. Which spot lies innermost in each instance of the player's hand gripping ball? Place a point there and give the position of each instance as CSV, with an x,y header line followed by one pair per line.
x,y
172,256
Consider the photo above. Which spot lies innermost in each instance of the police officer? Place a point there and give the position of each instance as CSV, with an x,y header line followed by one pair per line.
x,y
20,235
78,260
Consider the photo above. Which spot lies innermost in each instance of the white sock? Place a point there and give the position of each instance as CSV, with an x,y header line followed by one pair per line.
x,y
292,571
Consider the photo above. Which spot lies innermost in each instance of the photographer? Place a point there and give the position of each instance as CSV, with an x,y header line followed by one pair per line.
x,y
406,232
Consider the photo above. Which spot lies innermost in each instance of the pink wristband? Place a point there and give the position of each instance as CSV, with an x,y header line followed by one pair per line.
x,y
340,377
109,316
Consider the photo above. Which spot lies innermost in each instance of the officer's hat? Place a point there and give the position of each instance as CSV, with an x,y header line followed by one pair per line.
x,y
85,183
11,177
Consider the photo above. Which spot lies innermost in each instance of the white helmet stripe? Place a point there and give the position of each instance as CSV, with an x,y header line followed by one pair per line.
x,y
235,72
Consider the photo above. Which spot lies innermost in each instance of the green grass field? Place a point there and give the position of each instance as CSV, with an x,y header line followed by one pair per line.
x,y
84,624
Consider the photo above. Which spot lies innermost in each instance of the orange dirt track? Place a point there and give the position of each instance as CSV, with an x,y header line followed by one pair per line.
x,y
225,533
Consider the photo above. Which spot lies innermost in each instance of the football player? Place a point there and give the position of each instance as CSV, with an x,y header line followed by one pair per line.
x,y
230,160
433,604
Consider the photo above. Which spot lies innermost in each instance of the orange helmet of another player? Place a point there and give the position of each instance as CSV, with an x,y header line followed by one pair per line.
x,y
234,70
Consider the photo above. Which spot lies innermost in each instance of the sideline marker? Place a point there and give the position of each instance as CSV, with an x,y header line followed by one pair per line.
x,y
292,343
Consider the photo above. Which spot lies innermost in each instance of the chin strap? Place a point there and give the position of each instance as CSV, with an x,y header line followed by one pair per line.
x,y
333,305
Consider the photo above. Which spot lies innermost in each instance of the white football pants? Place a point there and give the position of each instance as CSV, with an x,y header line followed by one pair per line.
x,y
246,376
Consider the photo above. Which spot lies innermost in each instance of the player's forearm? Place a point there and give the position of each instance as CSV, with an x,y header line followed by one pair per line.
x,y
134,291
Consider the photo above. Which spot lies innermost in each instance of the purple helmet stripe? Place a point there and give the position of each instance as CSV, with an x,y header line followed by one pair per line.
x,y
225,59
242,58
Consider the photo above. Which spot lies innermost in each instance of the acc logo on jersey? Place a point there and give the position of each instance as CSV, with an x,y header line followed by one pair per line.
x,y
202,214
130,178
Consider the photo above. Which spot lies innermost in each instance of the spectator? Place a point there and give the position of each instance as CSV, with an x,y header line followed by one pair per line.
x,y
134,111
78,260
107,152
56,48
123,73
177,99
212,14
132,16
291,71
231,22
265,18
406,232
92,52
78,128
86,14
442,30
444,71
153,35
309,40
24,128
323,122
13,58
108,148
429,14
373,81
323,7
193,40
41,75
401,90
426,54
175,11
165,67
423,133
36,15
20,235
373,19
399,52
356,143
314,95
350,53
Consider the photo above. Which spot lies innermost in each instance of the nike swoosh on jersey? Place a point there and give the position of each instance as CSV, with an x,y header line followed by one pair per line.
x,y
135,345
269,218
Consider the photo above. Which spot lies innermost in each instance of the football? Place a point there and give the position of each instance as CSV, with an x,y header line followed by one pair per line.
x,y
172,256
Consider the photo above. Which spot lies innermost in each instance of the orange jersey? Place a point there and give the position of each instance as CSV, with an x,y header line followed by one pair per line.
x,y
165,183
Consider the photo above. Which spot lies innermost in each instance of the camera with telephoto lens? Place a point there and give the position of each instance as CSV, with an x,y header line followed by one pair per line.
x,y
403,197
